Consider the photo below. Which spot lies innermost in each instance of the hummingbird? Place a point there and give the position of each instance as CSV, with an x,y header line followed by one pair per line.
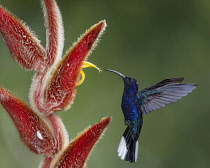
x,y
136,103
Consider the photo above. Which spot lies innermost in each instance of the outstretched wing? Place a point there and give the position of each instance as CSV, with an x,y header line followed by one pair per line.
x,y
163,93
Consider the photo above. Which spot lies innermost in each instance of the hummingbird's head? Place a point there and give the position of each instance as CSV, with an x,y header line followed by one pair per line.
x,y
128,81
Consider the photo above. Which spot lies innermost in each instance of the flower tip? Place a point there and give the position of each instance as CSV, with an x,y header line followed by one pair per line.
x,y
99,70
106,120
88,64
94,66
103,23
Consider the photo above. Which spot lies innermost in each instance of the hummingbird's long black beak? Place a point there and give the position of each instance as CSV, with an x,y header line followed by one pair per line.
x,y
116,73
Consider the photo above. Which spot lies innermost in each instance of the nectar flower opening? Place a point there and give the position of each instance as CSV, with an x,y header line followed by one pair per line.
x,y
81,72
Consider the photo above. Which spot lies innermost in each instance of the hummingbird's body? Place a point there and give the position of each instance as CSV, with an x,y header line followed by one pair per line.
x,y
129,103
136,103
133,120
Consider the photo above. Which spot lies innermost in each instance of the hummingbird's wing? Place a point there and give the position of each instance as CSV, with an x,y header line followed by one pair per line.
x,y
163,93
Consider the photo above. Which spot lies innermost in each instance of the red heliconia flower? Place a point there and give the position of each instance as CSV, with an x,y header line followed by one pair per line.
x,y
53,87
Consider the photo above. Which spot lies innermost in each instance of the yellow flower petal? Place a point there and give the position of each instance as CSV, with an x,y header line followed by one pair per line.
x,y
82,77
86,65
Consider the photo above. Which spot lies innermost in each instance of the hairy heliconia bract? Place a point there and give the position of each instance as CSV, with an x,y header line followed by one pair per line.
x,y
53,87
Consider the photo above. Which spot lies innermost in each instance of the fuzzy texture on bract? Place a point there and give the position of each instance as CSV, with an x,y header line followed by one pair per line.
x,y
53,87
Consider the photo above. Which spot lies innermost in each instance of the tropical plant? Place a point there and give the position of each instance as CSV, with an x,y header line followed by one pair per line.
x,y
53,87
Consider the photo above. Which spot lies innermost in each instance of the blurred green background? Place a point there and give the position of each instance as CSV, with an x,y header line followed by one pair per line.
x,y
149,40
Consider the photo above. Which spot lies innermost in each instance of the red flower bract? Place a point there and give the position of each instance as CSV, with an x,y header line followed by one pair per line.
x,y
78,150
53,87
33,129
24,46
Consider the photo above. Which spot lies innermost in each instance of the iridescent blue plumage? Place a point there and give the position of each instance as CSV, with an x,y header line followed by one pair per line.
x,y
136,103
129,104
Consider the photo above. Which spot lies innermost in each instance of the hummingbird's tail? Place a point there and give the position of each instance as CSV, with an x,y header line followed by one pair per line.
x,y
128,147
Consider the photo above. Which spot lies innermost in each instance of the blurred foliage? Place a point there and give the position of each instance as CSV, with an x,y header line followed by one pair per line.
x,y
149,40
